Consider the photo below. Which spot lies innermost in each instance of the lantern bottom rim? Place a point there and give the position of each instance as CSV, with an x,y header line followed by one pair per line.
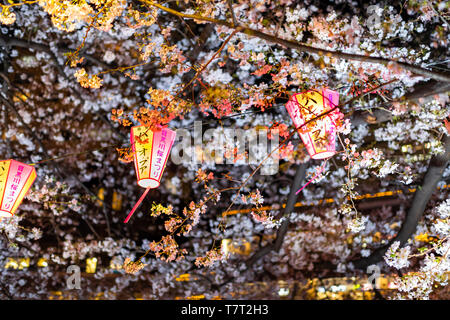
x,y
5,214
323,155
148,183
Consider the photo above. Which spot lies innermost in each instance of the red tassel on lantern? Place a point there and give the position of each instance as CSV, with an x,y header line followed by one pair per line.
x,y
16,179
318,136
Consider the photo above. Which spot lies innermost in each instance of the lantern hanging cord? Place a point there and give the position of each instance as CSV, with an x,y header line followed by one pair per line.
x,y
136,205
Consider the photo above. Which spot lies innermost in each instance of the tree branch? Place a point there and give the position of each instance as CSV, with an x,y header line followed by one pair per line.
x,y
421,93
14,42
309,49
292,199
10,105
434,173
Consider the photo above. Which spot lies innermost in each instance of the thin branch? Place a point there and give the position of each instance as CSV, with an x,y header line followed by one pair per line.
x,y
292,199
305,48
421,92
419,203
44,150
230,6
199,71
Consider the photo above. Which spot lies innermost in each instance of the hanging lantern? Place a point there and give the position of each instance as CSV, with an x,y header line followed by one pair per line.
x,y
15,180
151,150
318,136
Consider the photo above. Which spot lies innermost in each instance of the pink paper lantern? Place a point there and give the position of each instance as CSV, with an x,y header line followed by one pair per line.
x,y
318,136
151,150
15,180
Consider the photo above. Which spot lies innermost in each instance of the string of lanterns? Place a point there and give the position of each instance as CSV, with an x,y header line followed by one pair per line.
x,y
151,149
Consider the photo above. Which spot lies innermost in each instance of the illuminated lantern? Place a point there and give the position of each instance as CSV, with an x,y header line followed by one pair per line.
x,y
318,136
151,150
15,180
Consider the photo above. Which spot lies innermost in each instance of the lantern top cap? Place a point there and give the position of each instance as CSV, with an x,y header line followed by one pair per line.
x,y
159,127
324,92
316,90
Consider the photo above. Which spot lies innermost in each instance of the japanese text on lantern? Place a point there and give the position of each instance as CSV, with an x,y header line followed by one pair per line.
x,y
9,199
143,147
319,134
159,154
15,180
151,150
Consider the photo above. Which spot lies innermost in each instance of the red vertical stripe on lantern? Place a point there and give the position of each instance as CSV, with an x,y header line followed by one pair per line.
x,y
168,154
23,186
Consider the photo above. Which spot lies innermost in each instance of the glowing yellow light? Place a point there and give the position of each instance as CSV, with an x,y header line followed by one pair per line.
x,y
382,283
196,297
423,237
19,97
42,262
98,296
183,277
327,200
283,289
138,296
56,295
114,266
11,263
117,201
224,246
24,263
101,196
91,265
